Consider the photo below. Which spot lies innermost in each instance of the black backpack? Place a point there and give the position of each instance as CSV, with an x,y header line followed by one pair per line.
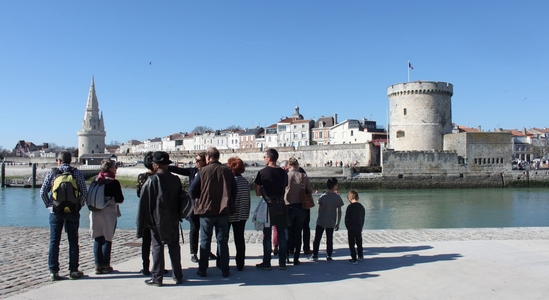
x,y
65,192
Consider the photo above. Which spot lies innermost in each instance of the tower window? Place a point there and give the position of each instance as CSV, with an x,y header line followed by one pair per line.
x,y
405,111
400,134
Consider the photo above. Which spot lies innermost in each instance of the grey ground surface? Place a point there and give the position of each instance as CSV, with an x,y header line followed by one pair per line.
x,y
476,263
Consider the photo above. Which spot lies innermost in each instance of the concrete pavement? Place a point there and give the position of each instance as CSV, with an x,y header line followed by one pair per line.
x,y
492,263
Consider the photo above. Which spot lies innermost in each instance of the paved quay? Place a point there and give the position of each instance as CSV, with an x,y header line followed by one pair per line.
x,y
479,263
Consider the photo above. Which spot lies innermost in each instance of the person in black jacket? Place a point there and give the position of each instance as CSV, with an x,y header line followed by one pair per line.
x,y
159,207
354,221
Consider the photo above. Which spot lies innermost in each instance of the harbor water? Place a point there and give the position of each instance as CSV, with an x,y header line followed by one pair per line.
x,y
385,209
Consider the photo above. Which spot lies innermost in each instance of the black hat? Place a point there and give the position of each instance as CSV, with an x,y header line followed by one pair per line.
x,y
161,158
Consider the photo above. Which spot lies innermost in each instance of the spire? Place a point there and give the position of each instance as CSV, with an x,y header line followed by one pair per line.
x,y
92,97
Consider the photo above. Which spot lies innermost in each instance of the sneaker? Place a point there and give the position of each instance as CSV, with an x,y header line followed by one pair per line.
x,y
194,259
263,266
54,276
282,268
360,258
353,261
106,270
307,252
275,250
329,259
98,270
313,258
75,275
144,272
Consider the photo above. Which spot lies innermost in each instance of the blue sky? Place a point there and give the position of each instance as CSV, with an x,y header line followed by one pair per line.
x,y
162,67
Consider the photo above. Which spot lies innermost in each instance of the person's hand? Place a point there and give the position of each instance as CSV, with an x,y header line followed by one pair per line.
x,y
337,227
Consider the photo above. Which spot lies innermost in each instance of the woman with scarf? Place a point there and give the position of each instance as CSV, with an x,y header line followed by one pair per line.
x,y
103,222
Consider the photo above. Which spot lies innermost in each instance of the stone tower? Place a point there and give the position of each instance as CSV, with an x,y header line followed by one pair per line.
x,y
420,114
91,139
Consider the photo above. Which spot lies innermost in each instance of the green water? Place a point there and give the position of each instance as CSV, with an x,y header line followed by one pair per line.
x,y
385,209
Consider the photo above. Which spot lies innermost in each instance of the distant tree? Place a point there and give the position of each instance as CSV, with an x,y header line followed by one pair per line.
x,y
114,144
201,129
234,127
540,151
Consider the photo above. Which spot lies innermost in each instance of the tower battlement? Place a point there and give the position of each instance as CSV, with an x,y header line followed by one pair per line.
x,y
420,87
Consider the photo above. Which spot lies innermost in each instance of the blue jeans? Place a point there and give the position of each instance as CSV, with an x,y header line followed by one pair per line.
x,y
71,222
102,252
221,225
267,247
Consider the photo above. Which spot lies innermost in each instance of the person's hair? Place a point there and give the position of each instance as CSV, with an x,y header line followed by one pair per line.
x,y
106,164
202,156
331,182
237,165
353,195
293,162
213,153
65,157
272,154
148,160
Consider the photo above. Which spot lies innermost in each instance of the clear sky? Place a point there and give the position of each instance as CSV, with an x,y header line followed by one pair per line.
x,y
162,67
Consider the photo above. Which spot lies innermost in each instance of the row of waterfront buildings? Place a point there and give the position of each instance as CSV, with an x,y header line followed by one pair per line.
x,y
420,136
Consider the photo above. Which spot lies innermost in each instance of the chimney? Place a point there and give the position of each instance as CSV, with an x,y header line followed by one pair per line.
x,y
479,128
524,130
335,119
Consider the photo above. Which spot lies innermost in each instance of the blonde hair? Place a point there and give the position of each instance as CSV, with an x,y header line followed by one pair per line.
x,y
352,194
292,162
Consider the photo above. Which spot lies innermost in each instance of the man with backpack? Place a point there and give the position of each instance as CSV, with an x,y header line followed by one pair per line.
x,y
68,194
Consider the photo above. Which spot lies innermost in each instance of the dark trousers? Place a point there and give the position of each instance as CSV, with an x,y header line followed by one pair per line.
x,y
282,246
174,250
329,240
307,231
239,242
71,222
355,238
221,225
102,251
297,215
194,231
146,249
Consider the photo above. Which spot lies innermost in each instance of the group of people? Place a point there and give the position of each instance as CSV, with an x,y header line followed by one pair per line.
x,y
102,222
221,200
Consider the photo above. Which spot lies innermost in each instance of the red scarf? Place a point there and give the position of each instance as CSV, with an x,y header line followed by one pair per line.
x,y
104,175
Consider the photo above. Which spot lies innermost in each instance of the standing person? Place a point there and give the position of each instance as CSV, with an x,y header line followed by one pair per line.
x,y
194,220
328,204
354,221
271,183
103,222
242,202
146,233
159,207
296,212
214,189
59,217
284,165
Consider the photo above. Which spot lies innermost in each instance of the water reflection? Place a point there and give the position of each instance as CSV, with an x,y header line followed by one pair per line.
x,y
387,209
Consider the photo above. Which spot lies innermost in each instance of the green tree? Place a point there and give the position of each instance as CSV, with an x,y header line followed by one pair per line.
x,y
202,129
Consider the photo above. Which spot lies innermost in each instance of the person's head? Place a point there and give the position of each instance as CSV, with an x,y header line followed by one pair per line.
x,y
147,160
161,160
200,159
212,154
294,163
352,195
271,155
237,165
108,165
64,157
331,183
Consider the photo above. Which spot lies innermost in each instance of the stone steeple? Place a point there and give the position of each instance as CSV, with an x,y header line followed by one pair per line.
x,y
91,139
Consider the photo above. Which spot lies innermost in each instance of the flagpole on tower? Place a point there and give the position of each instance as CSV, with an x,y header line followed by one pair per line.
x,y
409,67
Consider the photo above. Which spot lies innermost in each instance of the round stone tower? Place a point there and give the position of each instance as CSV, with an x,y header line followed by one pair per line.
x,y
420,115
91,139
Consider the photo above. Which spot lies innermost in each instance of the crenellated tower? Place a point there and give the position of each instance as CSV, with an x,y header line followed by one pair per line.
x,y
420,114
91,139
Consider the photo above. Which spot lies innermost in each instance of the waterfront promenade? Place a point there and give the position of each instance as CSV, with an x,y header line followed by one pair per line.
x,y
490,263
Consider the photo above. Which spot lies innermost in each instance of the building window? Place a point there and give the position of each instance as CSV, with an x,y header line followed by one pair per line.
x,y
351,133
400,134
320,135
405,111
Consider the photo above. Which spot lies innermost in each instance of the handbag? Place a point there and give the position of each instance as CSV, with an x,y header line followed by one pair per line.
x,y
307,201
276,206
